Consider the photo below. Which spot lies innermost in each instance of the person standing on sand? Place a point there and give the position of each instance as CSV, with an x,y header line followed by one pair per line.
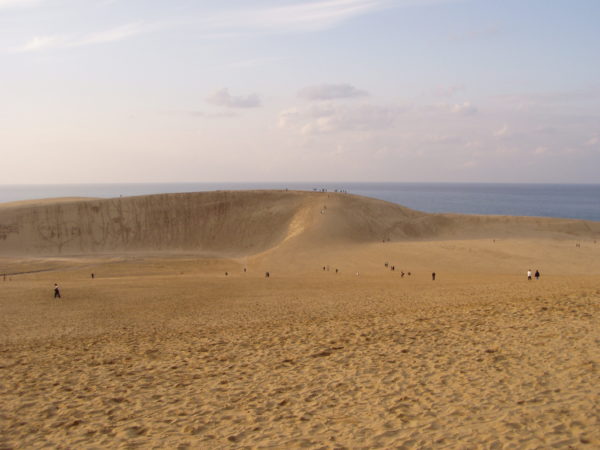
x,y
537,274
56,291
529,274
433,276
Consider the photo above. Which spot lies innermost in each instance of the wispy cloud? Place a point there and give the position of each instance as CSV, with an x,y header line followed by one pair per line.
x,y
330,92
41,43
222,97
302,16
115,34
6,4
119,33
291,18
312,16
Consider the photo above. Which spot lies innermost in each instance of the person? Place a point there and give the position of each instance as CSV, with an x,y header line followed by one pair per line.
x,y
267,274
93,275
56,291
401,274
537,274
529,274
433,276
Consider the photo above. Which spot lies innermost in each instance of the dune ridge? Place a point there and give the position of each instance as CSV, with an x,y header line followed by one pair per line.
x,y
241,223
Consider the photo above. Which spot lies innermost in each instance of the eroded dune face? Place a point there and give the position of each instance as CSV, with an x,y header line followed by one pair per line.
x,y
243,223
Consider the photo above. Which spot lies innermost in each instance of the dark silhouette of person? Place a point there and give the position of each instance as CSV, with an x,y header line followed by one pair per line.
x,y
56,291
537,274
433,276
267,274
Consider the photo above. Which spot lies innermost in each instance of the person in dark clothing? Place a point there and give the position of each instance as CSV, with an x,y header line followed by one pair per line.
x,y
56,291
433,276
537,274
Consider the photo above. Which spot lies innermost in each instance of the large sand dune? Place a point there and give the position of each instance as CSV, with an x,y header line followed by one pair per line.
x,y
244,223
163,349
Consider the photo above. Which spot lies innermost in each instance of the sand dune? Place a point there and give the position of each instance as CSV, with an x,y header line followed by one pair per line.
x,y
244,223
179,341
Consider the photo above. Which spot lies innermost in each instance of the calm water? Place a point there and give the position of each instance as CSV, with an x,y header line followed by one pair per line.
x,y
547,200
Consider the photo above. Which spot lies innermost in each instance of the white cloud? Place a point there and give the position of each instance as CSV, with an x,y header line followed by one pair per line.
x,y
330,92
119,33
502,132
222,97
329,118
448,91
313,15
6,4
41,43
464,109
592,141
113,34
302,16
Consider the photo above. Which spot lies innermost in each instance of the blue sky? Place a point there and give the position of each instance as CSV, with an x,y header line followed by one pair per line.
x,y
324,90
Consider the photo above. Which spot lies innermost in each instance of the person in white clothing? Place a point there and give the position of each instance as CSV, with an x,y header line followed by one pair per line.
x,y
529,274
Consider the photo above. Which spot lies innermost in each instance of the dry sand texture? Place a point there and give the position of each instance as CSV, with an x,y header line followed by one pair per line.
x,y
162,349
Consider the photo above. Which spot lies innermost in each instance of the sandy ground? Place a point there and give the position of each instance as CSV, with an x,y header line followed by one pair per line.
x,y
169,352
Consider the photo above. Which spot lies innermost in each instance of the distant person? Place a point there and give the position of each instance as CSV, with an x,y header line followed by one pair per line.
x,y
433,276
393,268
401,274
56,291
537,274
226,273
267,274
529,274
324,268
244,270
386,264
93,276
336,270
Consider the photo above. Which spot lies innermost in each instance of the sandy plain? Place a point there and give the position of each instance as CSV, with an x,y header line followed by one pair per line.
x,y
163,350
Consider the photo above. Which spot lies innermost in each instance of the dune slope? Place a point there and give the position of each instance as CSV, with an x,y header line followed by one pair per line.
x,y
244,223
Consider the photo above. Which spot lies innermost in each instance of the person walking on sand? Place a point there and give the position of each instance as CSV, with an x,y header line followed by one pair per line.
x,y
433,276
56,291
537,274
529,274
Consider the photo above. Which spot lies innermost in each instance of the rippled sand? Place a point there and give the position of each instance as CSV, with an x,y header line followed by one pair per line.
x,y
170,352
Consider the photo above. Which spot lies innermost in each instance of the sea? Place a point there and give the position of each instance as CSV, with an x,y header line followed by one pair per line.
x,y
577,201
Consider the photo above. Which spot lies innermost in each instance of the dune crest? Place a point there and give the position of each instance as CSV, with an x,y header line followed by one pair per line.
x,y
240,223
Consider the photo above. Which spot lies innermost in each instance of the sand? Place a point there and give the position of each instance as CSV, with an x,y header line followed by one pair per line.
x,y
162,349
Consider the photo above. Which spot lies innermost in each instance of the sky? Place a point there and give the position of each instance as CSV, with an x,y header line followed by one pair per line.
x,y
116,91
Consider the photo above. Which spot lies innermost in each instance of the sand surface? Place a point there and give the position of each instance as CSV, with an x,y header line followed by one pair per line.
x,y
166,351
